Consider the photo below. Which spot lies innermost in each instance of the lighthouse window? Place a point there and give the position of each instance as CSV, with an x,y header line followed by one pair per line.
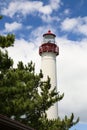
x,y
49,36
49,39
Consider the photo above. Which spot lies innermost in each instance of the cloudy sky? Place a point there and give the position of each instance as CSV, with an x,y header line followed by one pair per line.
x,y
29,20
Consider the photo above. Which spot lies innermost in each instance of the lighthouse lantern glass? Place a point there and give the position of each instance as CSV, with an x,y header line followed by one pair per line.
x,y
48,39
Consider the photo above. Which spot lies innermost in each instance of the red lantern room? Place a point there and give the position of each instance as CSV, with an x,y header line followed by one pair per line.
x,y
49,44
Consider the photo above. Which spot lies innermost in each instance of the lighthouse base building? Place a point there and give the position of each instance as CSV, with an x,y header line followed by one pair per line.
x,y
48,52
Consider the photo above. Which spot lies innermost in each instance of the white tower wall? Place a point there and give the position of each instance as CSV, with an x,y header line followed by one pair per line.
x,y
48,66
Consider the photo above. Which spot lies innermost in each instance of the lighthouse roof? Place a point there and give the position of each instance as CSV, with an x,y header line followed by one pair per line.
x,y
49,33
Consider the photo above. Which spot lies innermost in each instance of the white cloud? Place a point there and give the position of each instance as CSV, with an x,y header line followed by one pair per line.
x,y
23,7
66,11
11,10
28,27
55,4
9,27
76,25
69,24
49,19
45,9
72,77
24,51
83,29
29,7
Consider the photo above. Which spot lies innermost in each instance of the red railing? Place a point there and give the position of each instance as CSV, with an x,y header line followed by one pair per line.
x,y
49,47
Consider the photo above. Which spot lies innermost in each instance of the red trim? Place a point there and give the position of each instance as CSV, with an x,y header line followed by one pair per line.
x,y
49,47
49,33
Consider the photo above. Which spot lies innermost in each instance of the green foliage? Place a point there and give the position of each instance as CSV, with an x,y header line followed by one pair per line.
x,y
19,91
6,41
59,124
5,61
24,96
1,16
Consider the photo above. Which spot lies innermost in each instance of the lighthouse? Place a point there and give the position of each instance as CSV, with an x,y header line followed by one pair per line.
x,y
48,52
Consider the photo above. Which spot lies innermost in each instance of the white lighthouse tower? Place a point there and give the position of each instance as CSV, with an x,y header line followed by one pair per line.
x,y
48,52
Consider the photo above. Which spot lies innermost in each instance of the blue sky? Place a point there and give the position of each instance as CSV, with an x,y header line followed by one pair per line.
x,y
29,20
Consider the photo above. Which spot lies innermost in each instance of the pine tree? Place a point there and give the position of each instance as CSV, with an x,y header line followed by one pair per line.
x,y
20,98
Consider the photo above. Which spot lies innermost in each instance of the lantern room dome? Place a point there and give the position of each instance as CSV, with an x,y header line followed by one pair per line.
x,y
49,33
